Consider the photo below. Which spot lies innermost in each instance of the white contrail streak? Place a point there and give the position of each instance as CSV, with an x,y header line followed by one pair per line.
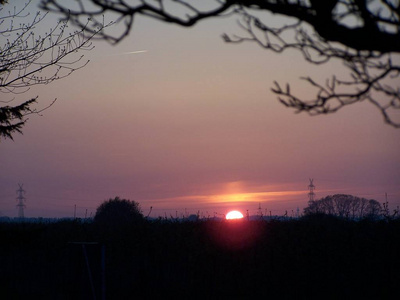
x,y
132,52
118,54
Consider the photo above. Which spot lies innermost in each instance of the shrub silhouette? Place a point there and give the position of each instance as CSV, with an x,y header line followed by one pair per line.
x,y
344,206
118,212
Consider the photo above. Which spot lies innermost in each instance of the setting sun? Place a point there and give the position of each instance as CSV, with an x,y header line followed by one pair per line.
x,y
234,214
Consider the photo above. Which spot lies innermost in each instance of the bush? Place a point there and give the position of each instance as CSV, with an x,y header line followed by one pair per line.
x,y
118,212
344,206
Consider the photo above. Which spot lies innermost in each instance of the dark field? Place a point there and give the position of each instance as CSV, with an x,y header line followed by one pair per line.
x,y
309,258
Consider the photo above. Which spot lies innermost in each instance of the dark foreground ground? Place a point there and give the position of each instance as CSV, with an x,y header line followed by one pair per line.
x,y
313,258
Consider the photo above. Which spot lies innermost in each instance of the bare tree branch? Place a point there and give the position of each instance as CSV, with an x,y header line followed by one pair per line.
x,y
28,59
363,34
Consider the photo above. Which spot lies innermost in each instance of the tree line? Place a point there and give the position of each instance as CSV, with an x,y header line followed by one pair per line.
x,y
345,206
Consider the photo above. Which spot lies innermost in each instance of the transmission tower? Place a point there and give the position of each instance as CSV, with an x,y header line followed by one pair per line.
x,y
21,199
311,188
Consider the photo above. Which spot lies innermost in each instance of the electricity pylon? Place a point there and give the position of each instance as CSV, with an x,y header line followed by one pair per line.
x,y
21,199
311,188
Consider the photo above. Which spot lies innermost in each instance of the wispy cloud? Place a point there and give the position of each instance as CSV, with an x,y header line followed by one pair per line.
x,y
230,198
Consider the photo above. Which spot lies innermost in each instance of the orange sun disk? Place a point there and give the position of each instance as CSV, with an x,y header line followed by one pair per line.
x,y
234,214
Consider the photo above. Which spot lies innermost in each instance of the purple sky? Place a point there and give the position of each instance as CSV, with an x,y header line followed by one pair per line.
x,y
191,125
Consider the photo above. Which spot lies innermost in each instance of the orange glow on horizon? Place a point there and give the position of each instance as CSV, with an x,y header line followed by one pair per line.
x,y
255,196
222,202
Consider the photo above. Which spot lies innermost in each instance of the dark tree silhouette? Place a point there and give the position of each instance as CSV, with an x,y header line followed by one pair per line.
x,y
345,206
116,212
28,58
363,34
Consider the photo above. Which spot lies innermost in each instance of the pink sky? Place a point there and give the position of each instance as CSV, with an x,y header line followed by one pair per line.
x,y
192,124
